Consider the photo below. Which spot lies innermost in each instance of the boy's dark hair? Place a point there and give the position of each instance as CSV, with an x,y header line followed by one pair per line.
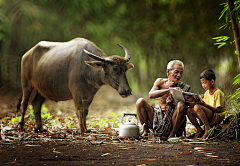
x,y
208,74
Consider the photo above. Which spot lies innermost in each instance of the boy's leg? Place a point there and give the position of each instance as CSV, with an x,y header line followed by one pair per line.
x,y
192,117
205,115
145,113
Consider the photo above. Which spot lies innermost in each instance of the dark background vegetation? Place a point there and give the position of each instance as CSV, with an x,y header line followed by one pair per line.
x,y
154,31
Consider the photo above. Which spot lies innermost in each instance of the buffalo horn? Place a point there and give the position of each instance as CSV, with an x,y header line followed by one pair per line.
x,y
97,57
127,53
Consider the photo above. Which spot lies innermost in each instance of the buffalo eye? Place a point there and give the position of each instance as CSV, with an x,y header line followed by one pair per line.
x,y
126,68
115,69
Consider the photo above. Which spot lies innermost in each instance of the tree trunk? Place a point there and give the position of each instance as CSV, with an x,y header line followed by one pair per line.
x,y
1,78
235,28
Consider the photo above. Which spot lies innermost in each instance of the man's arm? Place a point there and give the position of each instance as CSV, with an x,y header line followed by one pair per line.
x,y
156,90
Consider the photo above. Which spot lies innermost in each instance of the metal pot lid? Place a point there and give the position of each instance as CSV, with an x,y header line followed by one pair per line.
x,y
129,123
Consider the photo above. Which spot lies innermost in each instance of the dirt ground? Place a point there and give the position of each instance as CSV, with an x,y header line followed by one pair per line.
x,y
103,148
82,152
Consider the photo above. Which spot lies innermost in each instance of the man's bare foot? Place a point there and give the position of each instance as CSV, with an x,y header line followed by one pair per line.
x,y
145,134
172,134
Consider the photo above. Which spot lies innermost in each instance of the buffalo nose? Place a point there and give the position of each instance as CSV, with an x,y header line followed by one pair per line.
x,y
129,91
126,92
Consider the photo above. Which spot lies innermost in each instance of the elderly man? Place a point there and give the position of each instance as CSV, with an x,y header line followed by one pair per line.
x,y
167,117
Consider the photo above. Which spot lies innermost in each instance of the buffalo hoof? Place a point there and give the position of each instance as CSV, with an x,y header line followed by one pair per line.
x,y
40,130
20,125
78,131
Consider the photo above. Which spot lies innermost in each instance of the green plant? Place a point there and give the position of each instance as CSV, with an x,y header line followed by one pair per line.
x,y
234,98
70,123
31,112
45,115
5,120
235,107
17,119
221,41
232,16
102,123
56,121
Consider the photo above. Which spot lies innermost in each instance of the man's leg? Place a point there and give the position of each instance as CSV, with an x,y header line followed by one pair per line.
x,y
192,117
178,118
145,113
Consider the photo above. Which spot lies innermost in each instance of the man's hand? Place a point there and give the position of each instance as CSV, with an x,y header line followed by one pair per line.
x,y
178,88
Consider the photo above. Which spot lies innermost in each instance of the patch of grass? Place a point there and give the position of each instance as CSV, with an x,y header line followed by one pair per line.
x,y
109,122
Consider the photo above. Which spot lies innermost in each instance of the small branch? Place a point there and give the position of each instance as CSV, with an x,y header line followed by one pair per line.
x,y
225,128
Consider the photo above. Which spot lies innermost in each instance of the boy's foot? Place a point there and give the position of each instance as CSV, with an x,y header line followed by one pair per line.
x,y
204,137
198,134
201,139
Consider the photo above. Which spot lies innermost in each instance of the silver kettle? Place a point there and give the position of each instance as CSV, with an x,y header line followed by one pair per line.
x,y
130,129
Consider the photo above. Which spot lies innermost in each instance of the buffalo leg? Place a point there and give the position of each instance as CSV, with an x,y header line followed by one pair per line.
x,y
80,120
26,95
86,104
79,112
19,104
37,105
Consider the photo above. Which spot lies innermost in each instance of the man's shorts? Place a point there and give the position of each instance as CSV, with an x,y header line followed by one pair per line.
x,y
162,121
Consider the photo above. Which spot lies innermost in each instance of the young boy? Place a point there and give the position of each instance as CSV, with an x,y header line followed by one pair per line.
x,y
211,109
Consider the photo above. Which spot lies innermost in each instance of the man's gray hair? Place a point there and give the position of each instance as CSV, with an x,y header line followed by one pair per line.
x,y
174,62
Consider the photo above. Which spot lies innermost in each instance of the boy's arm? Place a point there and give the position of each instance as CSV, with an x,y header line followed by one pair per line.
x,y
214,109
219,102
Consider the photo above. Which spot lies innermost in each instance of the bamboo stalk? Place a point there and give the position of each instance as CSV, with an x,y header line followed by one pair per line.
x,y
235,28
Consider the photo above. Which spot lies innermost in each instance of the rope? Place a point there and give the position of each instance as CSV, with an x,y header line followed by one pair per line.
x,y
131,93
142,97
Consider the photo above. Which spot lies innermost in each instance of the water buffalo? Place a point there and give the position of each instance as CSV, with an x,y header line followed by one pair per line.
x,y
70,70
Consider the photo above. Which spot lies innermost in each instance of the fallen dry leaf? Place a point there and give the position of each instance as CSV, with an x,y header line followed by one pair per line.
x,y
106,154
211,156
147,159
5,143
223,159
15,161
31,145
56,151
204,149
186,153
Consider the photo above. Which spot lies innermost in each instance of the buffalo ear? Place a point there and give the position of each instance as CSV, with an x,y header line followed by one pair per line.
x,y
96,64
130,66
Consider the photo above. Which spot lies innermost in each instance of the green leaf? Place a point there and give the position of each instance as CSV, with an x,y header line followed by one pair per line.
x,y
112,114
115,124
225,9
